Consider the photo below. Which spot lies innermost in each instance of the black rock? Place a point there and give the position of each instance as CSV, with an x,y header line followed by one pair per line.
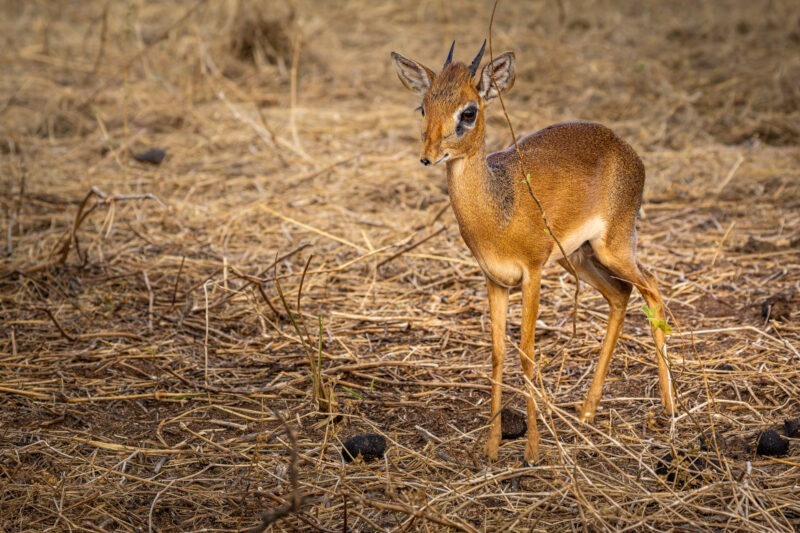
x,y
369,446
725,367
777,307
154,156
772,444
681,464
513,424
792,428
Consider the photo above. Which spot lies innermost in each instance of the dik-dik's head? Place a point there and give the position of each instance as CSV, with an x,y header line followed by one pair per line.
x,y
453,101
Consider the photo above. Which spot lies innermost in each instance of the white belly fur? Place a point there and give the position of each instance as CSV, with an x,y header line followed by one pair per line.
x,y
588,231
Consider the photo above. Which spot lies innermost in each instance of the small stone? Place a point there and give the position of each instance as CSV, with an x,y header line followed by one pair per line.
x,y
154,156
756,246
792,428
369,446
770,443
680,465
777,307
513,424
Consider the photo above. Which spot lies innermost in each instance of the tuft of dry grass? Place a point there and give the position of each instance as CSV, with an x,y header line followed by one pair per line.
x,y
261,36
152,376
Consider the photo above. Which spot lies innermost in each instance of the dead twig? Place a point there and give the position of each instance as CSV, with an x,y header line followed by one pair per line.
x,y
86,336
297,497
82,213
411,247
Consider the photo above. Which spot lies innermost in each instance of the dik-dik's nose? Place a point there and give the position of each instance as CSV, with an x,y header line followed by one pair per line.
x,y
425,161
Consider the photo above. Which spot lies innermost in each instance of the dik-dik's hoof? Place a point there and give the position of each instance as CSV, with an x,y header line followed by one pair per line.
x,y
531,456
586,414
491,455
491,449
670,409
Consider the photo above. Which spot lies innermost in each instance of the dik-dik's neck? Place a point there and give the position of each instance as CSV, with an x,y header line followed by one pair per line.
x,y
478,194
467,175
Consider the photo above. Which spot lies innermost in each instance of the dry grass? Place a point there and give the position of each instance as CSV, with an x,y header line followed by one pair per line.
x,y
147,359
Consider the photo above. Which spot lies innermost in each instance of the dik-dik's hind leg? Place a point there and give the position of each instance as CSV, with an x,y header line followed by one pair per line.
x,y
648,286
498,308
616,292
621,261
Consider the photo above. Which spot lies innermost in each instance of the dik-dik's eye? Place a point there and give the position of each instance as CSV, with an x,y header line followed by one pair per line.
x,y
469,114
421,109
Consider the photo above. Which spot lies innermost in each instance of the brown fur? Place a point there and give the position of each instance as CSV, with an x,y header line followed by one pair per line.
x,y
589,182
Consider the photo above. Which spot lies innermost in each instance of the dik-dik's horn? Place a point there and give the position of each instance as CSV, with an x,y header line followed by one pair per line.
x,y
449,55
473,67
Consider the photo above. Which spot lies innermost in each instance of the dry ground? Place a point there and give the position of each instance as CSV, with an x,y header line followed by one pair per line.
x,y
149,368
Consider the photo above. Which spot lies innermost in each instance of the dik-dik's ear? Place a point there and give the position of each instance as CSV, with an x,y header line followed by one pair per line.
x,y
414,76
502,68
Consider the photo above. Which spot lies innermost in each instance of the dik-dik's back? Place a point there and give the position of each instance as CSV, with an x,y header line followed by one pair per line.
x,y
589,183
584,175
574,164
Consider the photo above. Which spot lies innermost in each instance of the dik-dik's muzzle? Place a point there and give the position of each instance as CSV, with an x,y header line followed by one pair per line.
x,y
432,147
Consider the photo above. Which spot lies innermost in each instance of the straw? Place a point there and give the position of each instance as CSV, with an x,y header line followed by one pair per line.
x,y
151,377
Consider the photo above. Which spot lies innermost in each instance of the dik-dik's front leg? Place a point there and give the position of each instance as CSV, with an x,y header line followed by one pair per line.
x,y
530,310
498,309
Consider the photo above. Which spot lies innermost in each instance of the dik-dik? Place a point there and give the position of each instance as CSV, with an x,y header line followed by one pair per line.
x,y
589,182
